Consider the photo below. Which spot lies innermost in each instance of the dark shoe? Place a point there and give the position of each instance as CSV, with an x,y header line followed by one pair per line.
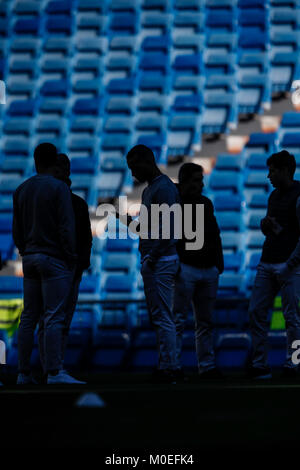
x,y
289,373
164,376
259,373
211,374
180,376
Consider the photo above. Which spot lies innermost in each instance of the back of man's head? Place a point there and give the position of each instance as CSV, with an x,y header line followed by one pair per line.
x,y
187,170
45,157
283,159
141,153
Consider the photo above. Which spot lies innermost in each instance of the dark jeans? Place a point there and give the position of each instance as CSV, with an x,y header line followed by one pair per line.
x,y
266,286
69,312
159,291
47,284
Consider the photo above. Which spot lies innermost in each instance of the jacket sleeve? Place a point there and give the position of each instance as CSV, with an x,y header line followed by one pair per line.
x,y
16,229
66,223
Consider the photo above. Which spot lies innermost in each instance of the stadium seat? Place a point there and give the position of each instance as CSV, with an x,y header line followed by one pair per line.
x,y
226,180
254,94
220,113
233,350
284,69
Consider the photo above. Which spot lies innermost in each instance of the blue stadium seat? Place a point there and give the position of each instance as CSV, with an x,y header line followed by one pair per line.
x,y
221,42
155,62
188,103
184,132
284,69
291,142
221,20
88,106
61,7
122,86
226,180
55,88
254,94
109,348
123,106
220,112
188,22
26,26
248,41
285,19
123,43
57,45
84,165
229,221
159,5
257,179
194,5
92,5
26,8
22,108
258,201
233,350
257,161
119,244
59,24
156,44
229,202
124,23
11,287
256,18
220,64
260,143
154,23
120,262
187,44
231,241
188,64
229,162
231,285
233,261
188,83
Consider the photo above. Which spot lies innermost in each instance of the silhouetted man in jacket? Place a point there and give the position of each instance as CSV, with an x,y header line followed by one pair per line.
x,y
44,233
279,267
159,257
197,281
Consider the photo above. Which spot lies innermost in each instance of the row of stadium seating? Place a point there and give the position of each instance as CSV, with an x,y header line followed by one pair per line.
x,y
92,92
106,338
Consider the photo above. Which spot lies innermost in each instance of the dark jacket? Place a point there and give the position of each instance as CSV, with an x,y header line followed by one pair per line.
x,y
83,231
211,254
279,247
43,219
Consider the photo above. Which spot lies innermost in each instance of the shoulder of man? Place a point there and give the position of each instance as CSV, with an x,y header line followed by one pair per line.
x,y
79,201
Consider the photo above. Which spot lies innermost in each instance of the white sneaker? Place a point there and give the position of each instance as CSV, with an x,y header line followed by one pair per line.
x,y
24,379
63,378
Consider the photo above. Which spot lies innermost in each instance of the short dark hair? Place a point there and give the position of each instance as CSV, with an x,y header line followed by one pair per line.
x,y
45,156
283,159
141,152
187,170
63,159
